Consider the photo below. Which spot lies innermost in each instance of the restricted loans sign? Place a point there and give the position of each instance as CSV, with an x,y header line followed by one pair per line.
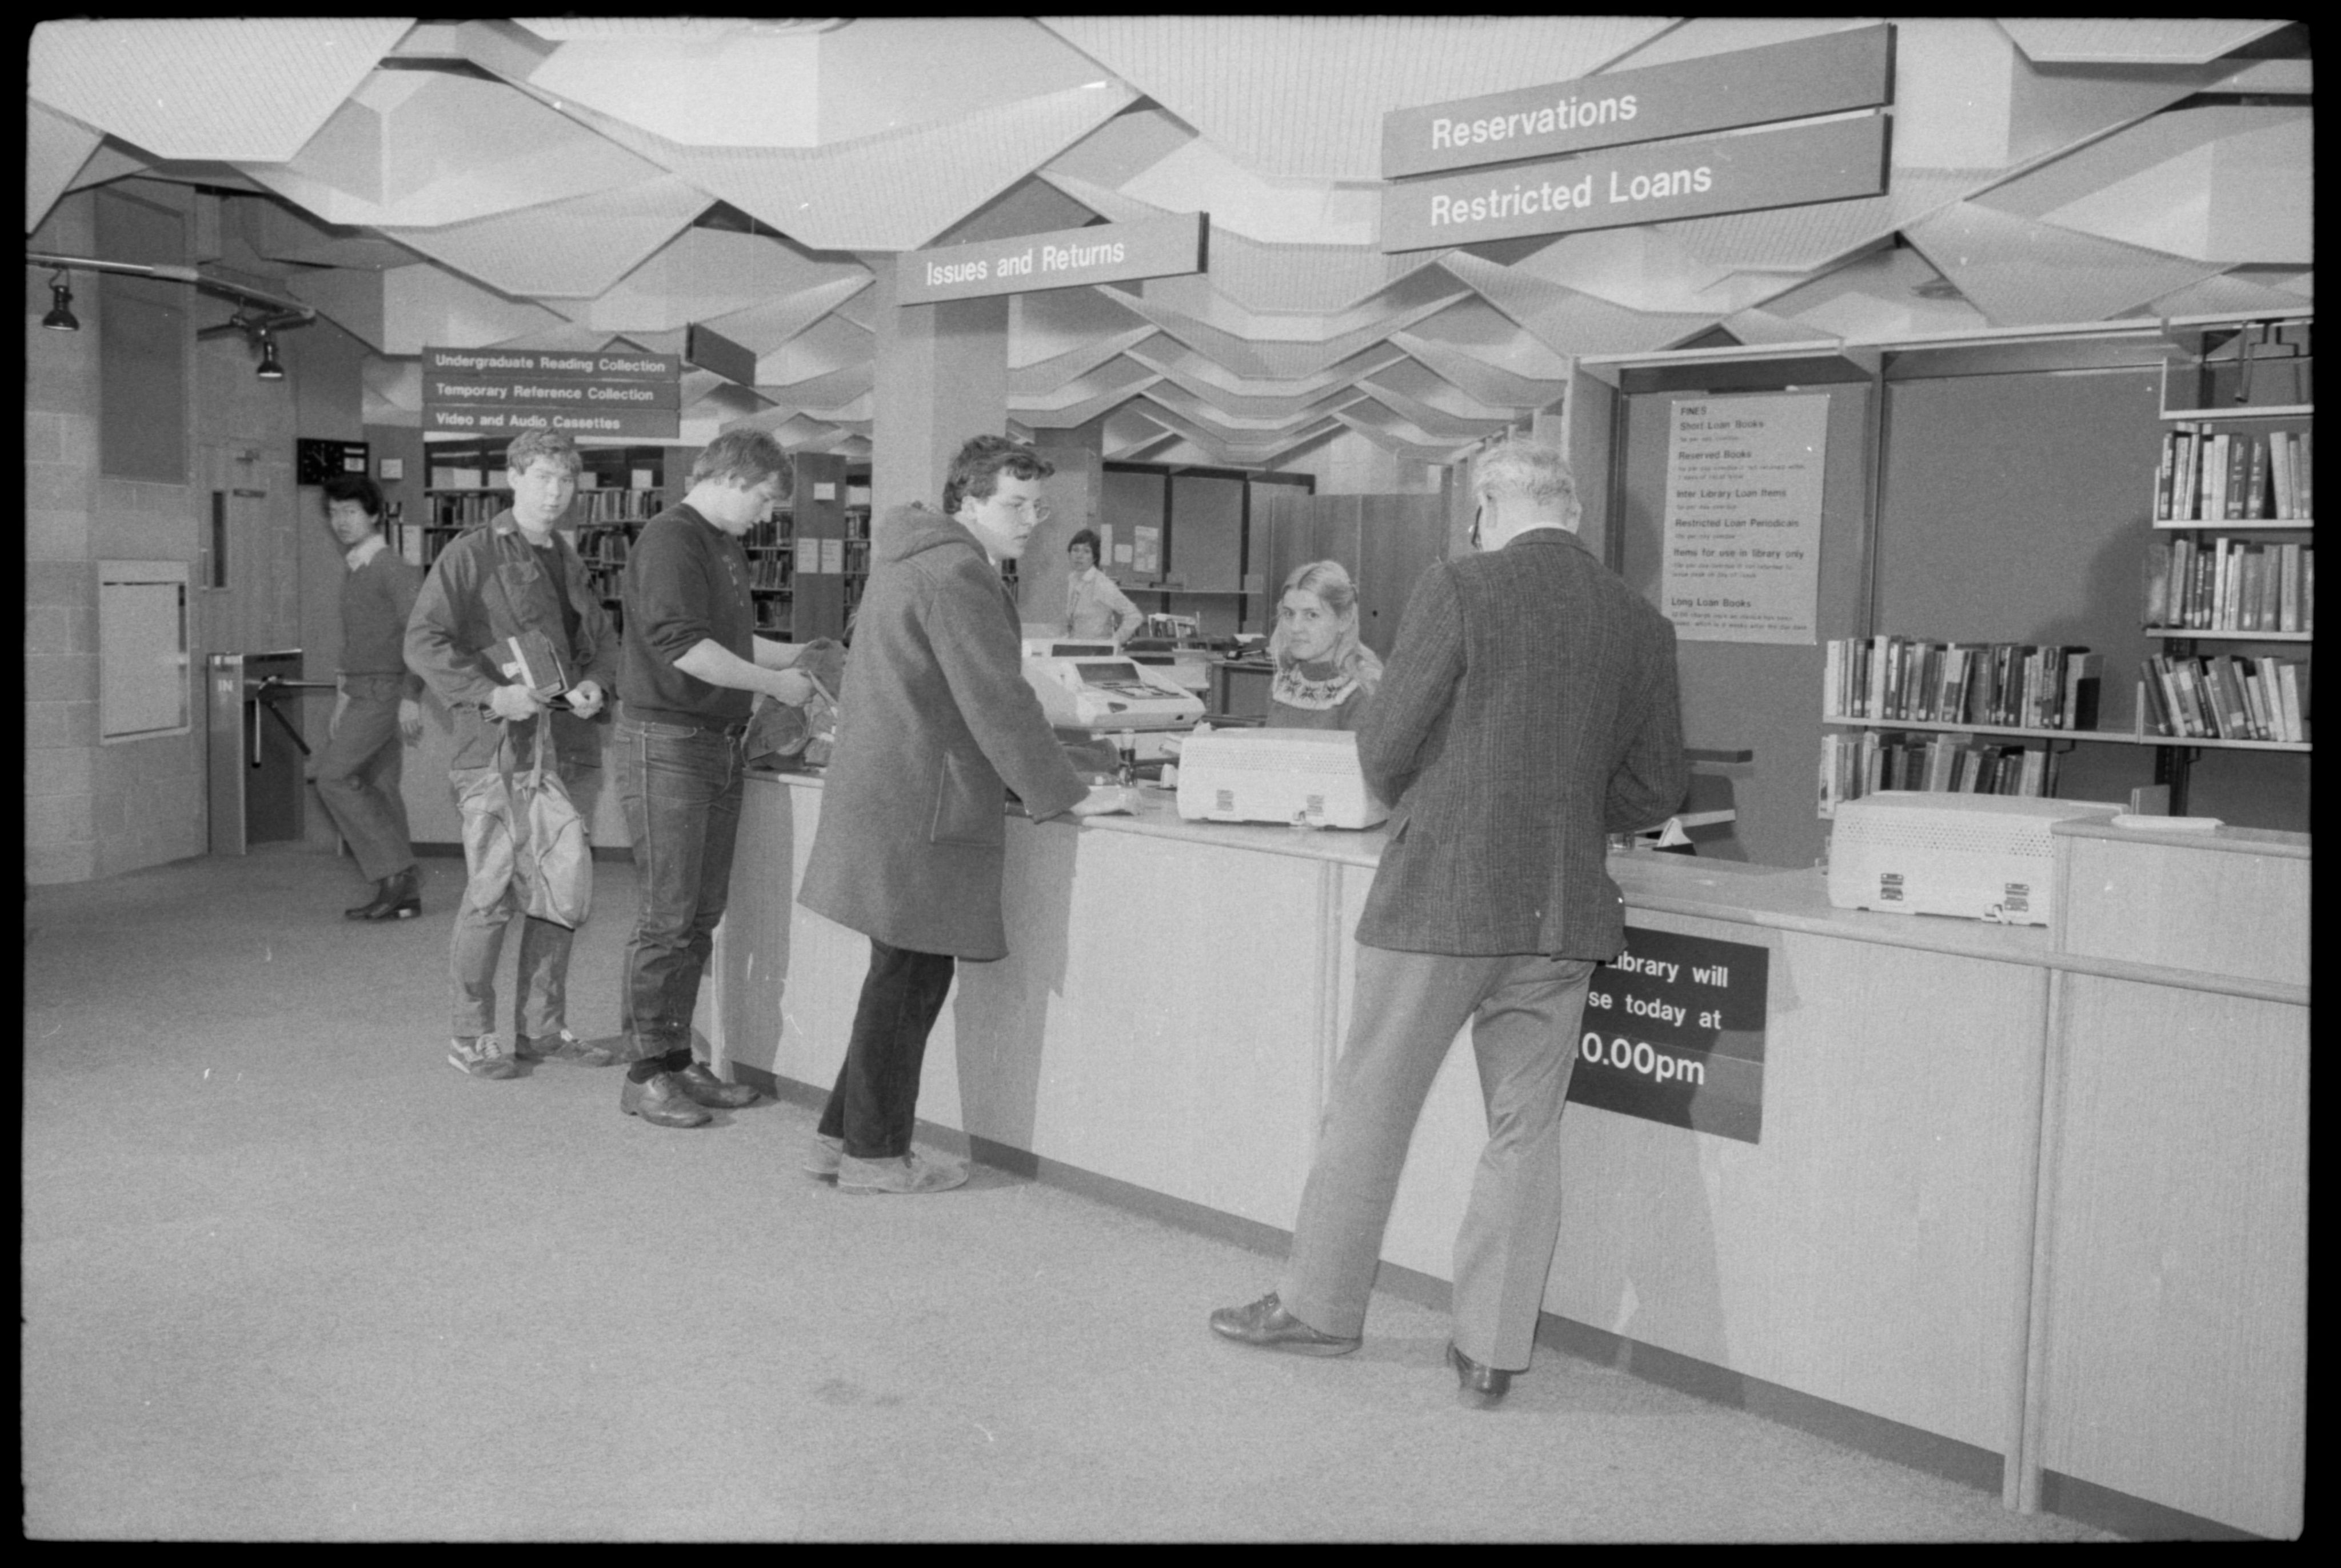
x,y
1674,1033
1791,166
1743,517
619,394
1792,81
1100,253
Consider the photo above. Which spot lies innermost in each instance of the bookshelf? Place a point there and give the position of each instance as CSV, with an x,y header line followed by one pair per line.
x,y
2230,560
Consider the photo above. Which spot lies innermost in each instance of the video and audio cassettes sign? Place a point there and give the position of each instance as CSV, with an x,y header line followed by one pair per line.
x,y
622,395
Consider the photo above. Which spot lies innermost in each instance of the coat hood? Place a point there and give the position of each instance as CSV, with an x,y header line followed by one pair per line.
x,y
909,531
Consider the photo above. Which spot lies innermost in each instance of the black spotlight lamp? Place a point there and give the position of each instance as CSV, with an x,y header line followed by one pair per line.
x,y
61,317
270,371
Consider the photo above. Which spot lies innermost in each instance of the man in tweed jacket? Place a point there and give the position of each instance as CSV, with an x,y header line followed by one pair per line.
x,y
1529,707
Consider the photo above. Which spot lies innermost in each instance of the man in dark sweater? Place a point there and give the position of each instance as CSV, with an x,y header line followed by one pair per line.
x,y
378,713
692,668
1529,707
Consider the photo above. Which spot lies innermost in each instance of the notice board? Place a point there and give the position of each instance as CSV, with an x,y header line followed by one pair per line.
x,y
1743,517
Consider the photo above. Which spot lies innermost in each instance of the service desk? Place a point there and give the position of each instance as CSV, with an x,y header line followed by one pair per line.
x,y
1177,993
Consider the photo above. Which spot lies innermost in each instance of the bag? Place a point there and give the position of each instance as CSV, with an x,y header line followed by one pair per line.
x,y
522,831
786,737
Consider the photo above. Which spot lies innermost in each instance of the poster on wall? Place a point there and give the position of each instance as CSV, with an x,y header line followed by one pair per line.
x,y
1674,1033
1743,517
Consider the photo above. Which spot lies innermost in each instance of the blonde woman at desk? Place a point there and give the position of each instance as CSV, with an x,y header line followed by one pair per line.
x,y
1324,675
1095,607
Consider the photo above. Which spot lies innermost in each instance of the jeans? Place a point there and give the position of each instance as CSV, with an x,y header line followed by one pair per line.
x,y
681,787
357,776
875,1106
479,937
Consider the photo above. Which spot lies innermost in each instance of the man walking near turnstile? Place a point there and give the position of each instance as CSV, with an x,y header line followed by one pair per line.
x,y
378,713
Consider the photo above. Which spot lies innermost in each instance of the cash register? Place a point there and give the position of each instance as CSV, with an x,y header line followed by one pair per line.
x,y
1087,686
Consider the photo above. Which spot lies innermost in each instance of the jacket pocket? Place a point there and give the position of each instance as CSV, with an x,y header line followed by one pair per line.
x,y
967,809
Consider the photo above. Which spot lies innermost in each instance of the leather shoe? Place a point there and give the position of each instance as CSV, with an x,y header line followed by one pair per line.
x,y
662,1102
909,1173
1266,1323
709,1090
1480,1387
395,898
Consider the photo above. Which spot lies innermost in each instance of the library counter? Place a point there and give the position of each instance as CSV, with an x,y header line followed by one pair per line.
x,y
2039,1191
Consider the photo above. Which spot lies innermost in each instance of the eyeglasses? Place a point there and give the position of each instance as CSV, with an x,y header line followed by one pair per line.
x,y
1477,513
1037,510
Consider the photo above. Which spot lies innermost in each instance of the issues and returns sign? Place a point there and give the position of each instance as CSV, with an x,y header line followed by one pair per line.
x,y
1796,165
1100,253
624,393
1674,1033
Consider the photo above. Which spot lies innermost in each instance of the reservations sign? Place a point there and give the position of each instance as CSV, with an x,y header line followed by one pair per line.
x,y
1792,81
1794,166
627,394
1100,253
1674,1033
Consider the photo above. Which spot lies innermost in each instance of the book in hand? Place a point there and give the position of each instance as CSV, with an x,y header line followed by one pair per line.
x,y
531,661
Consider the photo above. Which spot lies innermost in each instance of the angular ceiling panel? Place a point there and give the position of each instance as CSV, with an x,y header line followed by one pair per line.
x,y
1045,378
1485,383
1566,320
423,149
283,234
1697,37
2022,274
1200,177
1043,327
1303,278
763,329
426,304
1889,293
255,89
895,191
1801,239
1302,97
2228,293
571,250
1121,148
2130,40
885,73
55,148
728,90
830,345
702,274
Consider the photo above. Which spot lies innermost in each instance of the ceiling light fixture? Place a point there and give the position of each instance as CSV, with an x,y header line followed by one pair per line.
x,y
61,317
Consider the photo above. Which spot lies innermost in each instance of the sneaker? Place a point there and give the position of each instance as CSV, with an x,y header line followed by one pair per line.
x,y
483,1057
909,1173
825,1156
563,1047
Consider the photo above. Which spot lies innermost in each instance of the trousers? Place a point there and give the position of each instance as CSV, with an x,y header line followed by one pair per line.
x,y
358,777
875,1106
1405,1010
681,787
478,942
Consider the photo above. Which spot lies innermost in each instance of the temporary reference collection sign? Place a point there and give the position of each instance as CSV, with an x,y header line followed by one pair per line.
x,y
1607,150
1743,517
625,394
1064,259
1674,1033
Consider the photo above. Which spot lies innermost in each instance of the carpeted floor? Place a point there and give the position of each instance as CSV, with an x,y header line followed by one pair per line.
x,y
288,1275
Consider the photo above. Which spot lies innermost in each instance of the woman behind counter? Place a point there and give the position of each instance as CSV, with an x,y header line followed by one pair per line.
x,y
1324,675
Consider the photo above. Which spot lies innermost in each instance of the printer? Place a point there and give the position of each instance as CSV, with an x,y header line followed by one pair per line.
x,y
1103,694
1926,852
1307,778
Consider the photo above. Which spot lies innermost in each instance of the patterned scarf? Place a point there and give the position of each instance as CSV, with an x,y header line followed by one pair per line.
x,y
1313,685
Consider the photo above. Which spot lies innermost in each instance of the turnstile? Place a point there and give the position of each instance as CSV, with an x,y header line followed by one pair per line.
x,y
255,749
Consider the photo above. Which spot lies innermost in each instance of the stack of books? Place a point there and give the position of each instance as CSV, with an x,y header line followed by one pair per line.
x,y
2231,476
2016,685
2228,698
2226,584
1853,766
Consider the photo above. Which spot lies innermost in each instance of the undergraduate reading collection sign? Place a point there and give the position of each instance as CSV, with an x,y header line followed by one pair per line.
x,y
616,394
1743,517
1674,1033
1064,259
1577,184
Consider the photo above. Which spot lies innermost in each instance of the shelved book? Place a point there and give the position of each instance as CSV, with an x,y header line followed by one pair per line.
x,y
2230,584
2227,697
2207,475
2016,685
1854,765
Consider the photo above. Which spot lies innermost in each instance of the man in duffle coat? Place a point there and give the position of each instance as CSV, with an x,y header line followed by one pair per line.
x,y
935,724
